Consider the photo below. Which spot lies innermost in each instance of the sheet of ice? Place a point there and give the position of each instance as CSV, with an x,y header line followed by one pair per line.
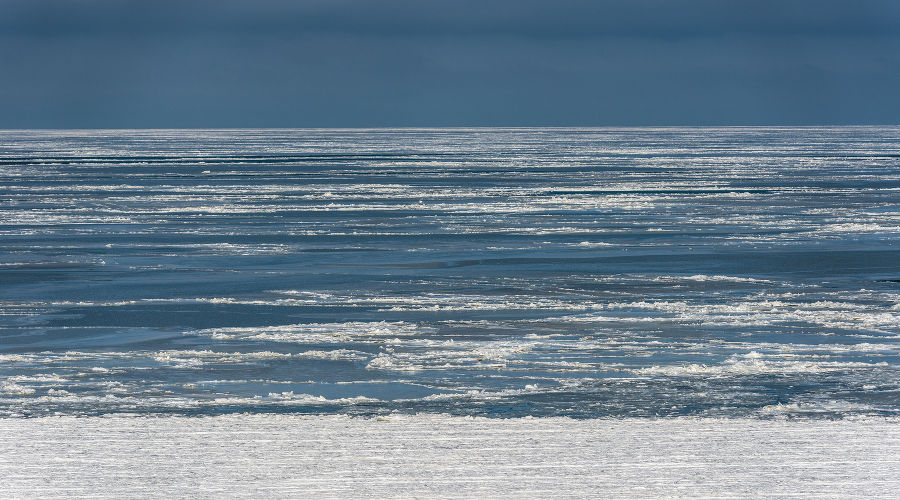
x,y
414,456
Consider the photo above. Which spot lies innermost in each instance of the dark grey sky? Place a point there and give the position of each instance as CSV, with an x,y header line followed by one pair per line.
x,y
352,63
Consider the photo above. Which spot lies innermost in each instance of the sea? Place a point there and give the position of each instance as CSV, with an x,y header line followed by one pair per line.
x,y
489,272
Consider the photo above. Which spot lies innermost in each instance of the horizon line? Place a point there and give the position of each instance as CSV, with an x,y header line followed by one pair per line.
x,y
440,127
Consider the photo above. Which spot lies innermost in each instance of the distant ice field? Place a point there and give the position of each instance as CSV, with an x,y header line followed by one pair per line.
x,y
690,272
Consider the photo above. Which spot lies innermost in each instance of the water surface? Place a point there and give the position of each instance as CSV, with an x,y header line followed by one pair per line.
x,y
498,272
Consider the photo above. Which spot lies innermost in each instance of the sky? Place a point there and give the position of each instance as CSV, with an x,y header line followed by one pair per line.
x,y
410,63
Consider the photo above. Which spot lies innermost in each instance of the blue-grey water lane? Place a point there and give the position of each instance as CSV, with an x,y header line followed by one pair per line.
x,y
499,272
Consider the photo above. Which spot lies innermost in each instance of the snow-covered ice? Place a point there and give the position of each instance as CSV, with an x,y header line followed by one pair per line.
x,y
414,456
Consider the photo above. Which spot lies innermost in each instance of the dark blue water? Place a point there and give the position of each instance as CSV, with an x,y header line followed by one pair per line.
x,y
500,272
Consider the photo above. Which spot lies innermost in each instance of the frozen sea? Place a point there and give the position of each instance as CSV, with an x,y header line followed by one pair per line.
x,y
612,273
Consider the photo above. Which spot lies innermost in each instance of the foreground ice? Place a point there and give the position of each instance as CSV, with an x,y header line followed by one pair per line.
x,y
447,457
